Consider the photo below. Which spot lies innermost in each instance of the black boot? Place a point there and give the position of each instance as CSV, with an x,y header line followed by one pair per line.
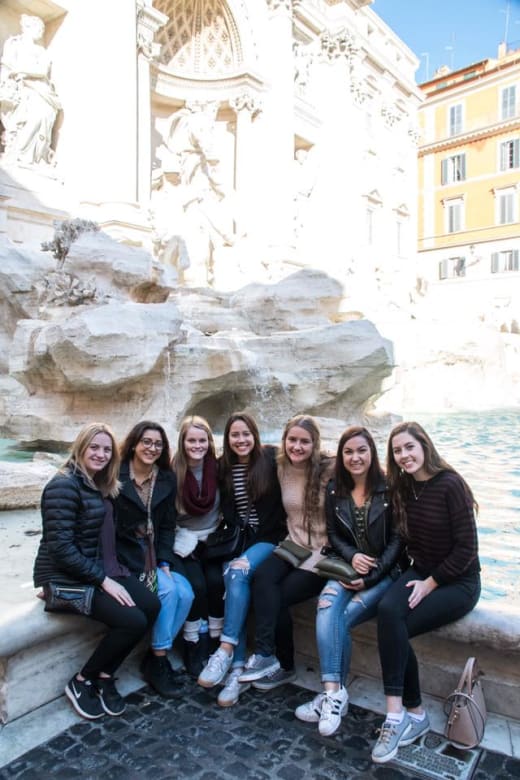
x,y
195,655
159,674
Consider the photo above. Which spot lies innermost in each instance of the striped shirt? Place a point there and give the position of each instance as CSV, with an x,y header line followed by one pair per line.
x,y
442,532
245,508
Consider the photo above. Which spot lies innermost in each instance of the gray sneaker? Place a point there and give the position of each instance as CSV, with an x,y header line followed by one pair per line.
x,y
216,669
274,679
258,666
310,712
417,729
390,737
232,689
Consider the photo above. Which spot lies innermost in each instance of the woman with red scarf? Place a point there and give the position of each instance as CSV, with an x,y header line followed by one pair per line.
x,y
197,504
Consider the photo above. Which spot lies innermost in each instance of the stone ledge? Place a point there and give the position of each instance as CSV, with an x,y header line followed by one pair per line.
x,y
491,633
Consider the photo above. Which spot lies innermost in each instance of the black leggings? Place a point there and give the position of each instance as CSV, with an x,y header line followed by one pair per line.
x,y
397,624
207,583
126,625
276,586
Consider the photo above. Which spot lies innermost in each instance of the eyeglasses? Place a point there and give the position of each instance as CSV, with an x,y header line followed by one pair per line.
x,y
150,444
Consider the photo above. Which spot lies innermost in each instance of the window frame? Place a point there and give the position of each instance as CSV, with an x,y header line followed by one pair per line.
x,y
458,127
510,111
453,169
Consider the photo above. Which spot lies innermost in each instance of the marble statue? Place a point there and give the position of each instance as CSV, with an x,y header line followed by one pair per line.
x,y
196,202
29,103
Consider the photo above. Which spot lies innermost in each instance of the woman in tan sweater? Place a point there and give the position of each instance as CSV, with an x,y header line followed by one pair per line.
x,y
303,472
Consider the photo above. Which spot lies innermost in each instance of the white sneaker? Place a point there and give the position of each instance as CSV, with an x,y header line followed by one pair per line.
x,y
216,668
334,706
231,691
311,711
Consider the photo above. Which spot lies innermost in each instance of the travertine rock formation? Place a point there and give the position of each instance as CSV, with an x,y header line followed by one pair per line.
x,y
275,349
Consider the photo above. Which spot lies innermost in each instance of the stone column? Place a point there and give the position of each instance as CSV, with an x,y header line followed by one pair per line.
x,y
278,132
149,20
246,106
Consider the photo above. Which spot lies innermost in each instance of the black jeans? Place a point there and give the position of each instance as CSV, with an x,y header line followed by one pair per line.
x,y
397,624
276,586
126,625
208,586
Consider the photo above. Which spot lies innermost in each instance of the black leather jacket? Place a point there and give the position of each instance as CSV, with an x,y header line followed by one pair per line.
x,y
72,513
382,536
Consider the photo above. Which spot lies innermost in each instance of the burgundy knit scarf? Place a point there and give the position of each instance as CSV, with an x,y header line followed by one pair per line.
x,y
197,501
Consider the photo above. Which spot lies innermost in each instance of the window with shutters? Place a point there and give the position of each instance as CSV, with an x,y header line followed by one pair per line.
x,y
510,154
453,169
508,102
455,119
454,215
452,268
505,261
506,206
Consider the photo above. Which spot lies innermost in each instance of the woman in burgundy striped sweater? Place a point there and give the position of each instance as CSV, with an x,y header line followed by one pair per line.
x,y
435,510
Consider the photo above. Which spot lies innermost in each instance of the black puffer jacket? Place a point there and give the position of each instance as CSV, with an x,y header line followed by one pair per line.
x,y
383,539
131,513
72,514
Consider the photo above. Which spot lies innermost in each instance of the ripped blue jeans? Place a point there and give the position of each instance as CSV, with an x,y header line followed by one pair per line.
x,y
339,610
237,582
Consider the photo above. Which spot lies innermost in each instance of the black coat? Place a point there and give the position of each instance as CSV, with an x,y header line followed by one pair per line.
x,y
73,512
272,519
382,536
131,513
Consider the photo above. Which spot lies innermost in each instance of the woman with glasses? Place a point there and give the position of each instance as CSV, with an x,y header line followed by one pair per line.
x,y
146,518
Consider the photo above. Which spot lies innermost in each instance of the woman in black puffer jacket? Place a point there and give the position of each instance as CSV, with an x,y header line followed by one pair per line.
x,y
77,549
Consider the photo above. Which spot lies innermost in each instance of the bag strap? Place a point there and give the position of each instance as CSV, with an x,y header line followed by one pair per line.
x,y
467,677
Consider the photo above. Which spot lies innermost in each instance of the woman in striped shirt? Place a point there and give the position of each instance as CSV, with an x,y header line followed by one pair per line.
x,y
250,498
435,510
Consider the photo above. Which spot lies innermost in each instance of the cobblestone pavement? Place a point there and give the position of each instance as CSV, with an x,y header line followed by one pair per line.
x,y
192,737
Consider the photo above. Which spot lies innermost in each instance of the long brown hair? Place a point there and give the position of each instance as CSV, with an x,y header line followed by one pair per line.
x,y
258,467
400,483
179,461
315,466
105,480
343,478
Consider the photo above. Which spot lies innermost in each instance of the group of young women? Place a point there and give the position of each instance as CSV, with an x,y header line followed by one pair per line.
x,y
144,529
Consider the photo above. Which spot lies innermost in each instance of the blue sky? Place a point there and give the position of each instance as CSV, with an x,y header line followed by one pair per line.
x,y
451,32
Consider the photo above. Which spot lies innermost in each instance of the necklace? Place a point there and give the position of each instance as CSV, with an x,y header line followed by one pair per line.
x,y
418,494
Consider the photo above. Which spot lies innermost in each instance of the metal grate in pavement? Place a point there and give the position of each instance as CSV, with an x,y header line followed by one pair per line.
x,y
434,757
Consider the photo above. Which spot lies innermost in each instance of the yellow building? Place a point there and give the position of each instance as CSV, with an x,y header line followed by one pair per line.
x,y
469,188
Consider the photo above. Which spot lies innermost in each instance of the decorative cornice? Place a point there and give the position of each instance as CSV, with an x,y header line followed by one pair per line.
x,y
246,101
149,20
472,135
280,5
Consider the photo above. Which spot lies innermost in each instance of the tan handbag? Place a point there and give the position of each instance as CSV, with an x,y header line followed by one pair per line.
x,y
466,709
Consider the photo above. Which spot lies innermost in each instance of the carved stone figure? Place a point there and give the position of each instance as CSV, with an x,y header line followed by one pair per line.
x,y
199,221
29,103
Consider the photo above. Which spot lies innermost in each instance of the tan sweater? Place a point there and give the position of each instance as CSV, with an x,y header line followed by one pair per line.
x,y
292,482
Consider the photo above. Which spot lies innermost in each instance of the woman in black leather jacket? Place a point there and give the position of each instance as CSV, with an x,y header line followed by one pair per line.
x,y
77,548
360,530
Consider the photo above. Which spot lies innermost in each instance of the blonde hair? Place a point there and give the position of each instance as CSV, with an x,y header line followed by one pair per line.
x,y
105,480
315,466
179,460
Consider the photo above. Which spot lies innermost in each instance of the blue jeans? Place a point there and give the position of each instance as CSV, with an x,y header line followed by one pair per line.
x,y
344,610
175,594
238,596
